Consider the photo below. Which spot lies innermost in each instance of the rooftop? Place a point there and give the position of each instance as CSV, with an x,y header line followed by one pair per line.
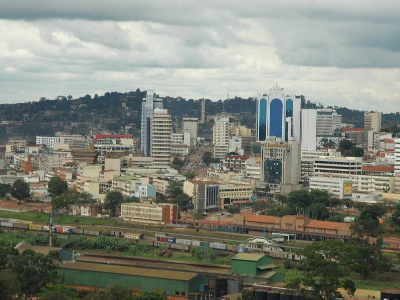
x,y
102,268
248,256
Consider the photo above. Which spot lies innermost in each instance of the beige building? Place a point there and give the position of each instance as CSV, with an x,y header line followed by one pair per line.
x,y
337,167
221,136
98,189
372,183
161,137
372,121
127,184
156,214
161,185
234,193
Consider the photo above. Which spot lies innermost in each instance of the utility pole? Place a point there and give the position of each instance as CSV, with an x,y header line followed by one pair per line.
x,y
51,229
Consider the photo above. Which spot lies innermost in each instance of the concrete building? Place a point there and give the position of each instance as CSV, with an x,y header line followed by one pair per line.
x,y
278,114
221,136
280,164
372,121
191,125
145,191
373,183
75,141
307,161
252,168
309,129
49,141
148,105
340,187
337,167
327,121
205,194
397,166
157,214
234,194
161,137
127,184
234,162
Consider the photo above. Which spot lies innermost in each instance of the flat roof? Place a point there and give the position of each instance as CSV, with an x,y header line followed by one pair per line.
x,y
102,268
248,256
265,267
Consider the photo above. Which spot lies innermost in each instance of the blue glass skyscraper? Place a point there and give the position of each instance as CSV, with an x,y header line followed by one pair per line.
x,y
278,115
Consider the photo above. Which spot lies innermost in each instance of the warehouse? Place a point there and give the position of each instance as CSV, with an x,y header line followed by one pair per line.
x,y
173,283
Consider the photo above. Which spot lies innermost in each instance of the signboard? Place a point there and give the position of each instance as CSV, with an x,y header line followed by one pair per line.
x,y
347,189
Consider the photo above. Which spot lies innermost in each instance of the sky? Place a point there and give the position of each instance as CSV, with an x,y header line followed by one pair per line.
x,y
339,53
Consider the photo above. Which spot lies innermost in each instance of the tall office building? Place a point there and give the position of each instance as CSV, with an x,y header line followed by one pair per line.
x,y
278,114
221,136
372,121
327,121
309,129
191,125
161,137
148,105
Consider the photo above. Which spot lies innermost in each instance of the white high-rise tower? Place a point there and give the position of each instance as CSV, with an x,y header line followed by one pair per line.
x,y
148,105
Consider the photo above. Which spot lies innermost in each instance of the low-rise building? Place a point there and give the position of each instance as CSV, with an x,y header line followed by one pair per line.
x,y
340,187
157,214
234,193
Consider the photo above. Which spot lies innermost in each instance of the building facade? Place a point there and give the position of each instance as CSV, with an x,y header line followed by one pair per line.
x,y
148,105
221,136
161,137
278,114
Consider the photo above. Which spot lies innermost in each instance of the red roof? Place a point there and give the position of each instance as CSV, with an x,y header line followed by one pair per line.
x,y
387,169
387,141
113,136
351,129
261,219
325,224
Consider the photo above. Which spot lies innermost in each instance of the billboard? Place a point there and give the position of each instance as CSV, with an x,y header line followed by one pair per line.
x,y
347,189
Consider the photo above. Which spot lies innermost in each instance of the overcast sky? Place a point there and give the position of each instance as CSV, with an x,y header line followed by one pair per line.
x,y
344,53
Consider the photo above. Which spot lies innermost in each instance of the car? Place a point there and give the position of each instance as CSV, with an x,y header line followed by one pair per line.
x,y
219,214
213,218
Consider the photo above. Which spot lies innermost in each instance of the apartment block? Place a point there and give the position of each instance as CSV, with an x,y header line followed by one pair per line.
x,y
156,214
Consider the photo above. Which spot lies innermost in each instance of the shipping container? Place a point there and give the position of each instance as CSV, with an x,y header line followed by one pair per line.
x,y
159,234
171,240
182,241
133,235
77,230
67,230
35,227
14,221
162,239
91,232
20,225
180,247
7,224
196,243
45,228
217,246
162,245
25,222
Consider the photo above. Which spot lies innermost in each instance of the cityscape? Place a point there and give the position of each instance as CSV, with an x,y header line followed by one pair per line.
x,y
201,159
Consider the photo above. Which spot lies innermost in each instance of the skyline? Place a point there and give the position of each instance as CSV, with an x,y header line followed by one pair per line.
x,y
342,53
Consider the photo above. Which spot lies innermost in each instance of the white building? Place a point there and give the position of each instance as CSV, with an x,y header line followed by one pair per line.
x,y
372,121
337,167
221,136
309,129
148,105
49,141
373,183
397,165
340,187
161,137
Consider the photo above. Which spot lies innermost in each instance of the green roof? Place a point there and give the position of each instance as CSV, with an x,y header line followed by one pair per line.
x,y
264,267
266,274
248,256
165,274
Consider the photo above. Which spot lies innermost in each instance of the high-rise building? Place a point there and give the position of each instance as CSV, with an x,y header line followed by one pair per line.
x,y
191,125
161,137
280,164
278,114
203,111
221,136
372,121
148,105
327,121
309,129
397,166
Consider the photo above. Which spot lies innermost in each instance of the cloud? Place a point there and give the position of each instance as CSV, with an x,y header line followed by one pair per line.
x,y
343,53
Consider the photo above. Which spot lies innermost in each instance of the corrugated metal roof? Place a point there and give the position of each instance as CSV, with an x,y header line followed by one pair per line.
x,y
176,275
248,256
267,274
264,267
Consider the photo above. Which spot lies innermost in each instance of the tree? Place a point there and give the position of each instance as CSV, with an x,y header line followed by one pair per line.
x,y
9,285
357,151
299,199
58,202
232,209
57,186
345,145
183,200
348,202
198,215
189,175
57,292
322,271
395,218
20,190
318,211
4,189
34,271
113,201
